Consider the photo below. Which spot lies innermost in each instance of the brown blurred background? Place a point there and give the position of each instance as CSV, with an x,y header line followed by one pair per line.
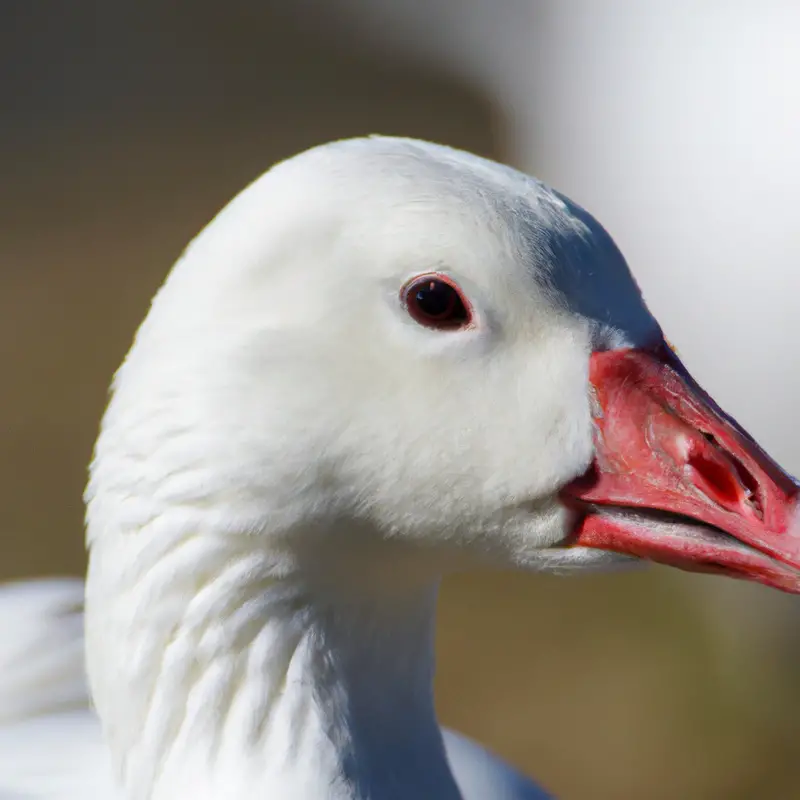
x,y
123,128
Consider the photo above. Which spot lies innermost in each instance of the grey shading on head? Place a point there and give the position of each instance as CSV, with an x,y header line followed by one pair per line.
x,y
589,275
576,261
569,254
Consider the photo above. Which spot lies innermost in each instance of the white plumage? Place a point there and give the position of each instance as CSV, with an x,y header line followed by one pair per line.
x,y
51,744
288,465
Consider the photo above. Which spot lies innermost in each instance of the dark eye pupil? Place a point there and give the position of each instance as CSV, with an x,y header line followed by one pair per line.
x,y
436,303
437,299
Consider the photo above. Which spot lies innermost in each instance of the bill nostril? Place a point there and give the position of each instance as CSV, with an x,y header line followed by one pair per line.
x,y
714,479
725,479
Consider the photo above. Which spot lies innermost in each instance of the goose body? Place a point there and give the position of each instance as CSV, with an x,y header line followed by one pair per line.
x,y
384,361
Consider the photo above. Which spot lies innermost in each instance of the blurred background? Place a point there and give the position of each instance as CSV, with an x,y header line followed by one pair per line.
x,y
125,126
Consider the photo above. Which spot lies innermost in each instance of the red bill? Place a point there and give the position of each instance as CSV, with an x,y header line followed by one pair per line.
x,y
675,480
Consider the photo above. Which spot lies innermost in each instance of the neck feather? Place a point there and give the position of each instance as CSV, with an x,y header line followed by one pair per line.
x,y
233,672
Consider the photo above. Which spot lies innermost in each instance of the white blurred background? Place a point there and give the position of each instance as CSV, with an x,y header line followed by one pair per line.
x,y
125,126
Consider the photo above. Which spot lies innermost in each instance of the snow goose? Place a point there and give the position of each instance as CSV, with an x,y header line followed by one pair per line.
x,y
383,361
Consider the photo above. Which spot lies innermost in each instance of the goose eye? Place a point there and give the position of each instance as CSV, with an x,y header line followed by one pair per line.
x,y
436,302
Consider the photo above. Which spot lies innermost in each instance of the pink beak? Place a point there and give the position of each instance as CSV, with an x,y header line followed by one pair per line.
x,y
676,481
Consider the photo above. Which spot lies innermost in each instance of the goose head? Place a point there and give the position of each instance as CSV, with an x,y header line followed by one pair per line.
x,y
383,361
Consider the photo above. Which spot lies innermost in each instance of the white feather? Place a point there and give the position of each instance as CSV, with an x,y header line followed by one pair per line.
x,y
288,465
51,745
